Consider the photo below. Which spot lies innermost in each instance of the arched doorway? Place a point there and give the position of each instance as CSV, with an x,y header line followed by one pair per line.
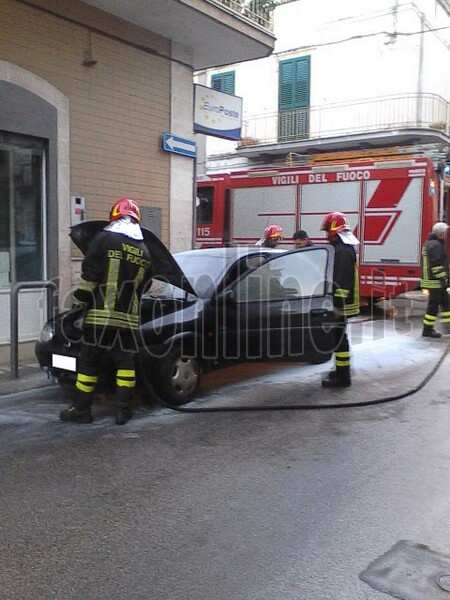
x,y
34,195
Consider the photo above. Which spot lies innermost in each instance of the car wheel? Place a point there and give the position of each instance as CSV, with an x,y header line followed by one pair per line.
x,y
177,378
320,359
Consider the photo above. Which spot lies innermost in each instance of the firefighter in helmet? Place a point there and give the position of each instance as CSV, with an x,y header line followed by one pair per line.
x,y
273,234
345,294
435,280
115,272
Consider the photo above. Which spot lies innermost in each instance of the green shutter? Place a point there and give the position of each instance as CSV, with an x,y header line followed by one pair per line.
x,y
228,82
302,79
285,86
294,83
216,82
223,82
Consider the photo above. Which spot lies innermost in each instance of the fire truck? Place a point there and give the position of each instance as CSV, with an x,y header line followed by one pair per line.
x,y
391,204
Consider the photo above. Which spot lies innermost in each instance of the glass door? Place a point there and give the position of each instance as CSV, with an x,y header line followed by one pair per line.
x,y
22,225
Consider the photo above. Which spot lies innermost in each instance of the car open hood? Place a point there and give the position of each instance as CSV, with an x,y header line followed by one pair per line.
x,y
164,265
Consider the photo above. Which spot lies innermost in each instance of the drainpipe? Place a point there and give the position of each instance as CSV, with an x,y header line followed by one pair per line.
x,y
200,138
447,119
420,73
395,16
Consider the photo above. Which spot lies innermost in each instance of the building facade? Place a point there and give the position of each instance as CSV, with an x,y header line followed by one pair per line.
x,y
342,75
87,90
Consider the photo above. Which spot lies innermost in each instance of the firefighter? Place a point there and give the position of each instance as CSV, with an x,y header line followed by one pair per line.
x,y
435,280
115,272
345,294
272,235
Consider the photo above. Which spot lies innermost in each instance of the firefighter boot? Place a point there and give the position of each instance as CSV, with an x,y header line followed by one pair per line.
x,y
338,378
430,332
123,410
79,411
333,374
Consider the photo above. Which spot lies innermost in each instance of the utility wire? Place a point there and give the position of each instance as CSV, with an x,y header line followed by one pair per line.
x,y
391,34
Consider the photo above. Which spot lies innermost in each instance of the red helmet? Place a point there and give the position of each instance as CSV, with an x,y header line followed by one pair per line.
x,y
335,222
123,207
273,231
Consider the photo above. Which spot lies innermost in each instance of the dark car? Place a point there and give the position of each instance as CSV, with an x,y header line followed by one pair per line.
x,y
209,308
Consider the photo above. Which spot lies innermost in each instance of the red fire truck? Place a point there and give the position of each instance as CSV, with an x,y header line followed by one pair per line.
x,y
391,205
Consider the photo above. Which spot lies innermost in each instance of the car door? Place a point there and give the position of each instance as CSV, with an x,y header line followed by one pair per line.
x,y
283,309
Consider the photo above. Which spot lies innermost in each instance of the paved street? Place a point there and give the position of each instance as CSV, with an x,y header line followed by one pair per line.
x,y
273,505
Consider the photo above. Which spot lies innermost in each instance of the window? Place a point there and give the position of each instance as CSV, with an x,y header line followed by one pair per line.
x,y
293,98
204,205
22,164
223,82
289,277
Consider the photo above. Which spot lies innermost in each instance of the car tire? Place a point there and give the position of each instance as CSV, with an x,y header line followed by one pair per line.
x,y
319,359
177,378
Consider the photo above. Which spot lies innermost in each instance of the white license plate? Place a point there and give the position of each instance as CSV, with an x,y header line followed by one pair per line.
x,y
68,363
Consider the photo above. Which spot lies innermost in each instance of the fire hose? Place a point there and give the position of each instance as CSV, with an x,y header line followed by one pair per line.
x,y
360,403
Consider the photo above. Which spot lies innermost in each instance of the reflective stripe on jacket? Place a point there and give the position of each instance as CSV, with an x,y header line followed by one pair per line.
x,y
346,280
434,264
115,272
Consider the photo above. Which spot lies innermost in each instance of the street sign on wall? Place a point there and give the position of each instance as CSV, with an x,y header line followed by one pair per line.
x,y
179,145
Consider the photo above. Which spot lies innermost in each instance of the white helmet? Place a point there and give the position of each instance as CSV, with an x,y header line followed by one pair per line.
x,y
439,228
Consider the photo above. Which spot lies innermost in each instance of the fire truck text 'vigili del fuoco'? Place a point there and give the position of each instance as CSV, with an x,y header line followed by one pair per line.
x,y
391,206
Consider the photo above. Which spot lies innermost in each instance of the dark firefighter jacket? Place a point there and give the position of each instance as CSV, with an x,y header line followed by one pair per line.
x,y
434,264
346,280
115,272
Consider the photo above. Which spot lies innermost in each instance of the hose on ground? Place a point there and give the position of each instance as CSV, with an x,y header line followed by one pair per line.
x,y
361,403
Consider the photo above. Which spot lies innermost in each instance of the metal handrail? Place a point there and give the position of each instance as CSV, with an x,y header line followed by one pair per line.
x,y
52,302
257,11
422,111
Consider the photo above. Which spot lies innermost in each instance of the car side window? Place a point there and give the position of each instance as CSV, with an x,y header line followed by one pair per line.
x,y
242,266
289,276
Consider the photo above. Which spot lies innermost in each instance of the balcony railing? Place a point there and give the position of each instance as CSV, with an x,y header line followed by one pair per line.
x,y
390,112
257,11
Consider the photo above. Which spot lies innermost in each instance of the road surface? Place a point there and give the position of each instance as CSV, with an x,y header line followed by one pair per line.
x,y
273,505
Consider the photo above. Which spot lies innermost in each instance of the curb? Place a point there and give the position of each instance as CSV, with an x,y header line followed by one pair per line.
x,y
28,382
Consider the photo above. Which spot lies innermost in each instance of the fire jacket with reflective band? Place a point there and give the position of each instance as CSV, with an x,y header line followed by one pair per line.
x,y
115,272
345,280
434,264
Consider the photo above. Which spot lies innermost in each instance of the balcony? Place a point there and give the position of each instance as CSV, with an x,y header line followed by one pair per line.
x,y
216,32
256,11
422,115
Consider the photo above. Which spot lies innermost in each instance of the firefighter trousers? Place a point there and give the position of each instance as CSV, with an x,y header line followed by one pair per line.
x,y
120,346
438,299
341,349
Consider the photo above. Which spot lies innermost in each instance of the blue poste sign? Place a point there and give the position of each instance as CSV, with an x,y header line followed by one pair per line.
x,y
217,114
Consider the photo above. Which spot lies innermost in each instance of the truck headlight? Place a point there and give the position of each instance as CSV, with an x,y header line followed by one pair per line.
x,y
47,333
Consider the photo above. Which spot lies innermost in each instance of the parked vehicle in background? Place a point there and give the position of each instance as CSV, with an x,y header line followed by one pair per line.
x,y
211,308
391,204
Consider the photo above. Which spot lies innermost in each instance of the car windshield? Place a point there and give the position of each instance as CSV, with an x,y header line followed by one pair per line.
x,y
203,269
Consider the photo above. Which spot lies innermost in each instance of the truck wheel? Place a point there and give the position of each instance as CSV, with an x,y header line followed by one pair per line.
x,y
177,377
